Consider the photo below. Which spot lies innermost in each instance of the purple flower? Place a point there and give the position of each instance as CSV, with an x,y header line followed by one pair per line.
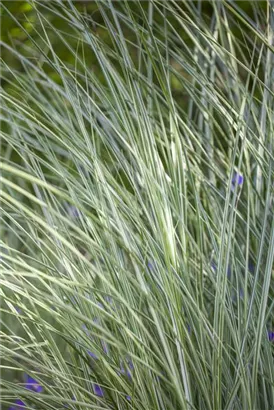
x,y
108,299
271,336
93,355
73,300
18,405
105,346
251,267
237,179
127,370
33,384
98,390
73,212
234,295
128,397
214,267
85,329
130,364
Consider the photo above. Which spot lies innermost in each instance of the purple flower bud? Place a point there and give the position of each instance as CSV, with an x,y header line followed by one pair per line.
x,y
130,364
271,336
33,384
251,267
105,346
108,299
127,371
18,405
98,390
237,179
73,212
150,266
214,267
124,372
128,398
93,355
85,329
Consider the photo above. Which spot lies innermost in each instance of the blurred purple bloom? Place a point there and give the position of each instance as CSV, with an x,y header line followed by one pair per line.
x,y
98,390
150,266
33,384
30,384
93,355
18,405
234,296
128,397
130,364
237,179
105,346
85,329
251,267
214,267
73,300
108,299
127,371
73,211
271,336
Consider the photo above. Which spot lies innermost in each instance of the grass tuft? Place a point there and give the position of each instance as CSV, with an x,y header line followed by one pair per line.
x,y
137,229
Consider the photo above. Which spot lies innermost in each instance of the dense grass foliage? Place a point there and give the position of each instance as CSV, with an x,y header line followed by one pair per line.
x,y
137,229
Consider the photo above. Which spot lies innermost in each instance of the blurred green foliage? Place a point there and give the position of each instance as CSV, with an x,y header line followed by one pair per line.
x,y
21,29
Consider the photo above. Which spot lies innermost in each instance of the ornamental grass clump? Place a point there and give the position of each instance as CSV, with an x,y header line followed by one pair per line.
x,y
137,229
